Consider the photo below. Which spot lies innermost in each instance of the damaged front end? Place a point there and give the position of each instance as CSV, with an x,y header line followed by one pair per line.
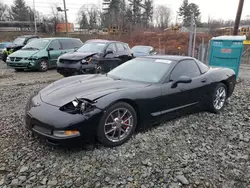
x,y
79,106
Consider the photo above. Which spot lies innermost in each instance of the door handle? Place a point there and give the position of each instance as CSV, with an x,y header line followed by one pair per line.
x,y
204,80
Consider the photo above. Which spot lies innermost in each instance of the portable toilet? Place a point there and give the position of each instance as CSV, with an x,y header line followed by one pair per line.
x,y
226,51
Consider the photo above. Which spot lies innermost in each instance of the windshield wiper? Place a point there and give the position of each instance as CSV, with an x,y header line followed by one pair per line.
x,y
30,48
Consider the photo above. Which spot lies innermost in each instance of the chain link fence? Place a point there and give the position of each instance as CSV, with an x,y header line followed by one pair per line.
x,y
246,55
201,52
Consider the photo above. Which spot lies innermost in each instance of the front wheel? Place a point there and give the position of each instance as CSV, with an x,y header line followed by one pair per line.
x,y
117,125
218,99
43,65
4,57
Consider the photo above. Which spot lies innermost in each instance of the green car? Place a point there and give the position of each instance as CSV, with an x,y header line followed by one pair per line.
x,y
42,54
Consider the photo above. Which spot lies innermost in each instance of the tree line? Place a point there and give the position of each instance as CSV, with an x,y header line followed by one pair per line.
x,y
129,14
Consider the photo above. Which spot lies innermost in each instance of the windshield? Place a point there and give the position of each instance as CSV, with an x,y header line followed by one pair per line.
x,y
19,40
38,44
141,49
92,47
141,69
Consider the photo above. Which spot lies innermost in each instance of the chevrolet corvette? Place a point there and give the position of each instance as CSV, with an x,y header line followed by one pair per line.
x,y
110,107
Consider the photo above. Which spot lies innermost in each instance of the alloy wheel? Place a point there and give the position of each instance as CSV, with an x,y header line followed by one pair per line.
x,y
118,125
43,65
220,98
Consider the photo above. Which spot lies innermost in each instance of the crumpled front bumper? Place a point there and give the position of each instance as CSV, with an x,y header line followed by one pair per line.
x,y
42,119
23,64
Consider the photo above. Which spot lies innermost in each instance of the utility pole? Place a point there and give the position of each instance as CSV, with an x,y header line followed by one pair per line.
x,y
34,12
66,19
238,16
176,21
59,9
194,40
191,35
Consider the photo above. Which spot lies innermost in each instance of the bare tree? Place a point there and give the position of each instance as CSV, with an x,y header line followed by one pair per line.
x,y
4,12
162,15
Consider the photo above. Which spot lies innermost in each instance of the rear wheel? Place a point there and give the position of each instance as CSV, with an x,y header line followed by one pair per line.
x,y
43,65
117,125
218,99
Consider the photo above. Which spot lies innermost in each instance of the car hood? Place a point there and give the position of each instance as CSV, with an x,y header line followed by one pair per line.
x,y
23,53
90,87
77,55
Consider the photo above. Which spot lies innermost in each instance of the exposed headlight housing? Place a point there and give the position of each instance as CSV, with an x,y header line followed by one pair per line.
x,y
33,101
84,61
78,106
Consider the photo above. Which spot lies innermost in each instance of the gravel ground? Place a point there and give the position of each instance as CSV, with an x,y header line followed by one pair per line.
x,y
198,150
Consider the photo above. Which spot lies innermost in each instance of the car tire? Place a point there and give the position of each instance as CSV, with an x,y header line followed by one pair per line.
x,y
99,69
67,75
218,99
43,65
112,124
4,57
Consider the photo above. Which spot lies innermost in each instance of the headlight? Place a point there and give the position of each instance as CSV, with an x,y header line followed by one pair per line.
x,y
84,61
8,58
78,106
32,101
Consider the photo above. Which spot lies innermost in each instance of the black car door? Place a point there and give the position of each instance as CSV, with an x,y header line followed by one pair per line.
x,y
185,94
111,60
121,52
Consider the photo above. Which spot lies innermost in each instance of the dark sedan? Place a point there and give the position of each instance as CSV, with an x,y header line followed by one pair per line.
x,y
17,44
136,94
95,56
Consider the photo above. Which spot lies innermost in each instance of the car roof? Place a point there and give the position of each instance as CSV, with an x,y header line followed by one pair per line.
x,y
27,36
143,46
168,57
51,38
103,40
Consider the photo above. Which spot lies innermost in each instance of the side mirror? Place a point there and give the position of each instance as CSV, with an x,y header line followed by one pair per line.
x,y
182,79
75,49
50,49
108,52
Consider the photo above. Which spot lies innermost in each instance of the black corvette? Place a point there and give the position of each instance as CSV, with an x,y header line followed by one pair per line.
x,y
136,94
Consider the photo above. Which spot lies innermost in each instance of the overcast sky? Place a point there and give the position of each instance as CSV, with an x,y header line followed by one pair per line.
x,y
217,9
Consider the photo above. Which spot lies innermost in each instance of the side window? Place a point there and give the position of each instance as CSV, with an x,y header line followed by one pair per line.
x,y
111,47
77,43
204,68
120,47
31,39
125,46
55,45
66,44
185,68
